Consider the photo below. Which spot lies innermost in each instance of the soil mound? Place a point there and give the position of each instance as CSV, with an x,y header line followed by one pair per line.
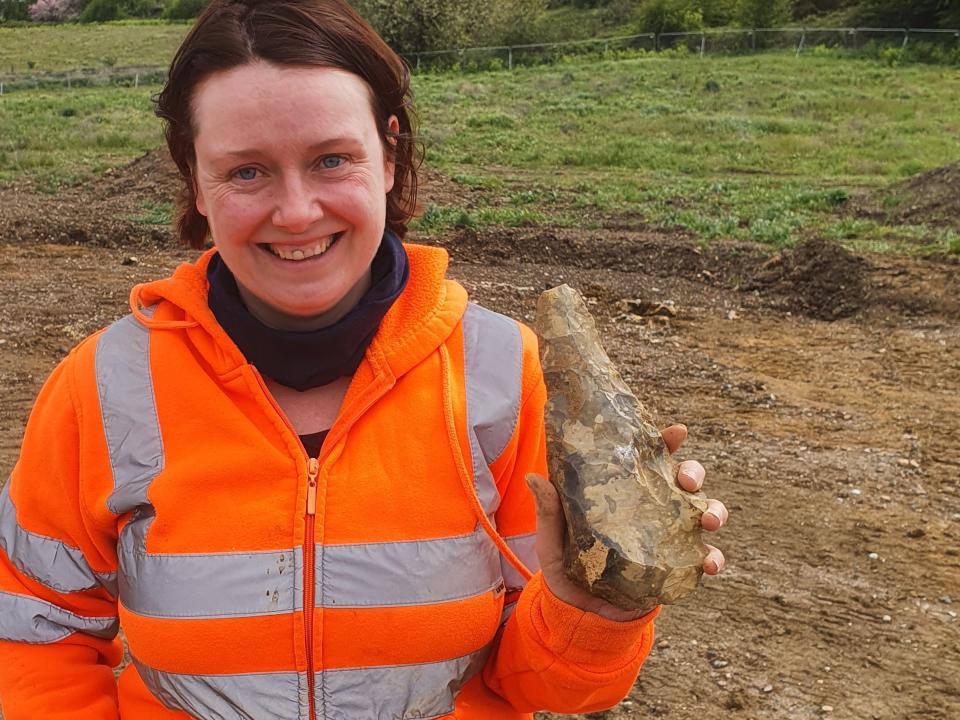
x,y
930,198
127,207
818,278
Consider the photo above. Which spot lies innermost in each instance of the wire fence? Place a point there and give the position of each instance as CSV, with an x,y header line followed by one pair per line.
x,y
891,44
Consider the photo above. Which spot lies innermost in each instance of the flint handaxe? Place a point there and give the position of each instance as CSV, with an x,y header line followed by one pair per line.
x,y
633,536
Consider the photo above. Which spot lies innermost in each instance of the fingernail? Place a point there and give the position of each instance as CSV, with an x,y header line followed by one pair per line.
x,y
715,517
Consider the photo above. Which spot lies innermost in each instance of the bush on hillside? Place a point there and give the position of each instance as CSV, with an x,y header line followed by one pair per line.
x,y
412,26
763,13
184,9
101,11
661,16
11,10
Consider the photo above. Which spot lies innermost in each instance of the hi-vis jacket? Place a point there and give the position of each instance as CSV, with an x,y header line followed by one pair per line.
x,y
160,488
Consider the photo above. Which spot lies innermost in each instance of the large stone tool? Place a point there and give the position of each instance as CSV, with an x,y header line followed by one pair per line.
x,y
633,536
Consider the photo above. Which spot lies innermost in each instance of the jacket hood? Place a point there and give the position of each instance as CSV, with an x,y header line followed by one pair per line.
x,y
425,314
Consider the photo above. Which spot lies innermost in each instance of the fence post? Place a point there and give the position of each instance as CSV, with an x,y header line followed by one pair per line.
x,y
803,37
136,80
703,43
1,88
418,61
510,58
656,42
906,37
753,40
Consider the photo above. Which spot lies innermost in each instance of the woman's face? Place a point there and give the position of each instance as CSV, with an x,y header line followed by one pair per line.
x,y
292,177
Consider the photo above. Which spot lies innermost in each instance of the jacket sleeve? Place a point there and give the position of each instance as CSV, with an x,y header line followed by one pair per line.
x,y
58,616
551,655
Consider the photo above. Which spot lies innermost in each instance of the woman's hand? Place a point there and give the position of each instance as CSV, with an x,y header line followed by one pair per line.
x,y
551,528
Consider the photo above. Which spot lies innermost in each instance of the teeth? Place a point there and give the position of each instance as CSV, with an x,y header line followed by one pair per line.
x,y
298,254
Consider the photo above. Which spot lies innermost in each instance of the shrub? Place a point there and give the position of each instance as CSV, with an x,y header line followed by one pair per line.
x,y
184,9
660,16
763,13
101,11
52,10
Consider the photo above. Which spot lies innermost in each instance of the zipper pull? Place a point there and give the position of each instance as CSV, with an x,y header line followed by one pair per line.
x,y
313,469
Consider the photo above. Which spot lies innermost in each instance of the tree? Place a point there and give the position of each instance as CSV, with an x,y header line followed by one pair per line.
x,y
52,10
763,13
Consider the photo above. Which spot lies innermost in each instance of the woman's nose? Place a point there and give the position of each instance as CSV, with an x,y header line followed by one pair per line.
x,y
298,205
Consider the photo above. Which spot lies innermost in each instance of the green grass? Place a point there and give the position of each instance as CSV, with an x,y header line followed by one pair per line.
x,y
43,48
771,157
57,138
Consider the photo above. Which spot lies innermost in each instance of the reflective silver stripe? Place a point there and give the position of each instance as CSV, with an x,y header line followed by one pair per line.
x,y
404,691
29,620
406,573
129,411
252,696
209,586
524,546
267,583
493,370
47,560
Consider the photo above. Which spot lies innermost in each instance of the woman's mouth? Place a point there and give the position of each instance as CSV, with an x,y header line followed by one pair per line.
x,y
303,252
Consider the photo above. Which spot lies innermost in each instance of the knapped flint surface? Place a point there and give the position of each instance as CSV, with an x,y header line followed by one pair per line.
x,y
633,536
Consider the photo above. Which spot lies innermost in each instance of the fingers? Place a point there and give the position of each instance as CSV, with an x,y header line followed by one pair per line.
x,y
714,563
690,475
550,521
674,436
715,516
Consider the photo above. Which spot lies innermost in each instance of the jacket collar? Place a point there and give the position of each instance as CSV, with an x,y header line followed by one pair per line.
x,y
421,319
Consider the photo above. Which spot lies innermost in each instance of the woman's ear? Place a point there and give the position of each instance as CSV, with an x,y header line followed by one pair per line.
x,y
389,160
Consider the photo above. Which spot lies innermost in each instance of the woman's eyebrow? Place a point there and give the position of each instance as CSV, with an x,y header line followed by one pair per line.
x,y
337,142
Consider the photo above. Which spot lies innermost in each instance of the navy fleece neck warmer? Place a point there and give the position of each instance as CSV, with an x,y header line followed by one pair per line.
x,y
304,360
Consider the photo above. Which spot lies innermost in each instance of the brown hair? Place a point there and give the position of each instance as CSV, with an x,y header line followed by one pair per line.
x,y
326,33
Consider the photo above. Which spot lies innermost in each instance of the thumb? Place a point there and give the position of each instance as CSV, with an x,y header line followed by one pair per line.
x,y
550,521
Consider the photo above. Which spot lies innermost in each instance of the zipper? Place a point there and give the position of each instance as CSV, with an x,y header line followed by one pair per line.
x,y
340,426
309,551
309,546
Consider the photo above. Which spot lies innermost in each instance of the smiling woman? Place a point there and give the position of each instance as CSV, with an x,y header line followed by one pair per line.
x,y
293,185
296,472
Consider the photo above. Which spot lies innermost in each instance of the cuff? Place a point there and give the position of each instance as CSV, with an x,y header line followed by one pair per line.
x,y
584,638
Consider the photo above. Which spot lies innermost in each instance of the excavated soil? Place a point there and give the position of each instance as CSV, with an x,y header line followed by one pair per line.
x,y
821,389
930,198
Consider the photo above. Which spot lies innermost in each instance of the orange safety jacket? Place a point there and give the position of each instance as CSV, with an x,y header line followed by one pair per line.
x,y
161,489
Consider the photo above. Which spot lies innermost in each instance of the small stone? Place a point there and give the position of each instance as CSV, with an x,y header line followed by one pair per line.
x,y
873,556
131,260
887,618
952,613
855,492
718,663
946,600
826,708
768,688
663,644
916,533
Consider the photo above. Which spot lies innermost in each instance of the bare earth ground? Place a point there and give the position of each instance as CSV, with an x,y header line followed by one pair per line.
x,y
821,390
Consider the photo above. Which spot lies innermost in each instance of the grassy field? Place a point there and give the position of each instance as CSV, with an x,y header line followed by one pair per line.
x,y
46,48
762,147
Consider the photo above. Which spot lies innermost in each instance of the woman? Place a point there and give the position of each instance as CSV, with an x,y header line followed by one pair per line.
x,y
295,475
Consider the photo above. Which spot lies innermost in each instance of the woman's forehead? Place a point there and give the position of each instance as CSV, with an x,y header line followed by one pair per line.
x,y
299,104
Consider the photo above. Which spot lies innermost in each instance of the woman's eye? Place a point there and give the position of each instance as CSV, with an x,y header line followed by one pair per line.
x,y
247,173
331,161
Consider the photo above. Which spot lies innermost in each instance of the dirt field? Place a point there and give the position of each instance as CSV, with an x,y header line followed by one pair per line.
x,y
822,391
